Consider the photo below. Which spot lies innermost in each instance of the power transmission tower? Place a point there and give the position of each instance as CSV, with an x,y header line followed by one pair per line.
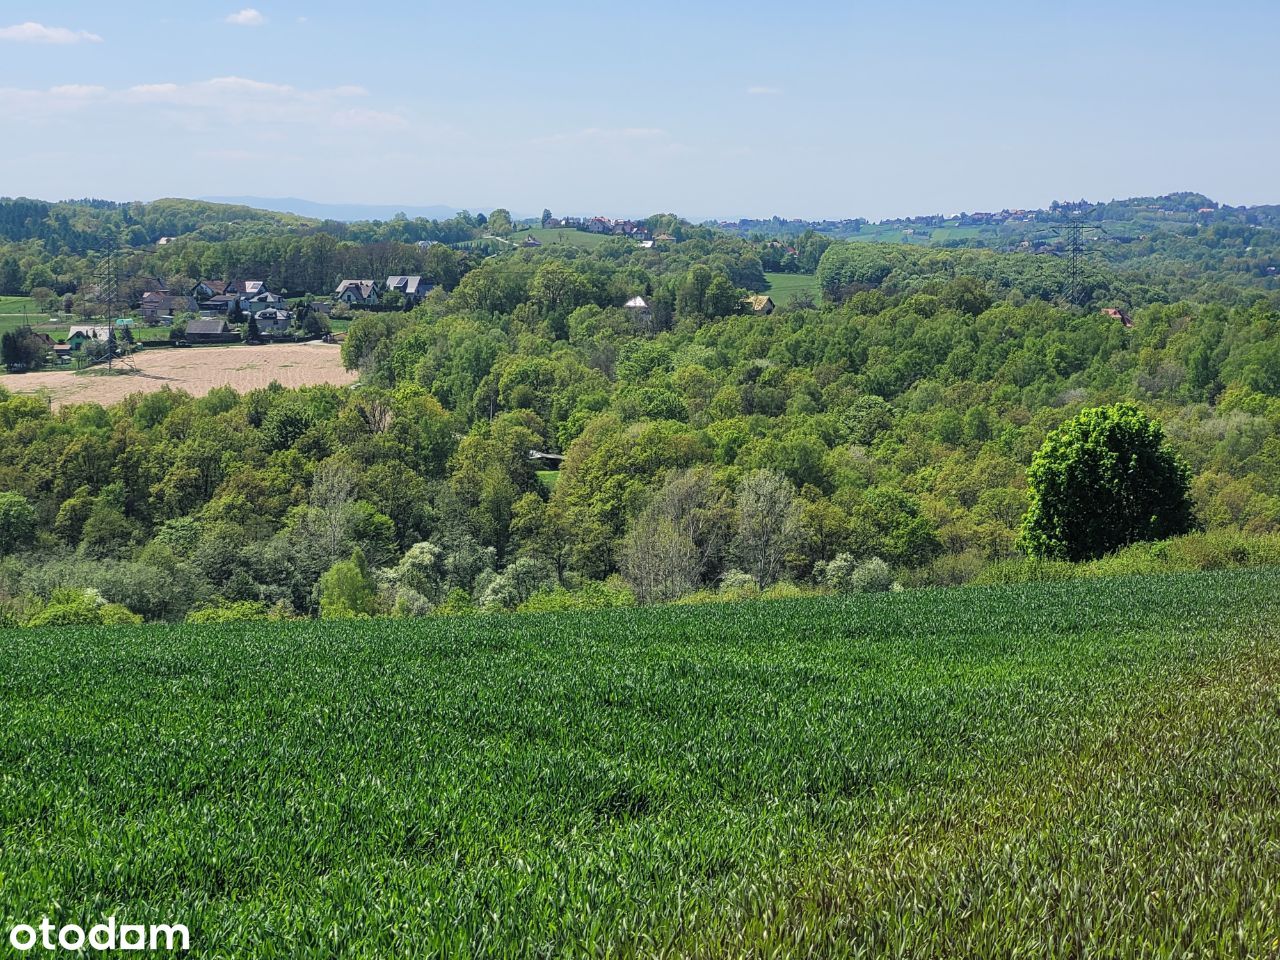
x,y
108,276
1072,232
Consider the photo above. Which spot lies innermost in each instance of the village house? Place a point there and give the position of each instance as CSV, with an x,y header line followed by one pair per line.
x,y
362,293
220,305
413,288
78,336
246,288
209,330
273,322
1120,315
531,241
157,306
759,304
206,289
640,308
254,304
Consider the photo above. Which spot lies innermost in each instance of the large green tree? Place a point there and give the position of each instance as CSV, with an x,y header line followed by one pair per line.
x,y
1101,481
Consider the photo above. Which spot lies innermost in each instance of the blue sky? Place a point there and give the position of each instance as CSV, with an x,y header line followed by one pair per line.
x,y
708,109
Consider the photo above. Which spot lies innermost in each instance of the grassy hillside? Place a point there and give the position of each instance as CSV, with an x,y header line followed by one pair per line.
x,y
1052,769
560,235
784,286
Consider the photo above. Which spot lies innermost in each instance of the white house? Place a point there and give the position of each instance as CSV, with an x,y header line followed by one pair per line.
x,y
362,293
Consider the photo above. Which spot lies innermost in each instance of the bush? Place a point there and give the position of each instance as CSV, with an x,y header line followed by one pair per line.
x,y
592,595
736,585
115,615
239,611
71,606
846,575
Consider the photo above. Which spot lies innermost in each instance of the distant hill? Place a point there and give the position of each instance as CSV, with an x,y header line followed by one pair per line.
x,y
346,212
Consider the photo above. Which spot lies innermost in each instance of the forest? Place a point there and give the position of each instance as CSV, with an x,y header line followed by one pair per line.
x,y
521,440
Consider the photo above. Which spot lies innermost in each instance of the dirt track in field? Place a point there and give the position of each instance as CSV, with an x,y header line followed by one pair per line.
x,y
197,370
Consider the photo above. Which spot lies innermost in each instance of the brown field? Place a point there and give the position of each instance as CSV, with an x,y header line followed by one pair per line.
x,y
197,370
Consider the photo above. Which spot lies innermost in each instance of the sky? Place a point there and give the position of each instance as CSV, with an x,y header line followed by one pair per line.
x,y
708,109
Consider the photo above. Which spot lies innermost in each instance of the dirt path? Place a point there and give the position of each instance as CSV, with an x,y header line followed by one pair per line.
x,y
197,370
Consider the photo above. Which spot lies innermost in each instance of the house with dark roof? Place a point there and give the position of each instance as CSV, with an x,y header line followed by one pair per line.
x,y
157,305
221,305
209,330
254,304
531,241
1120,315
358,293
273,322
206,289
413,288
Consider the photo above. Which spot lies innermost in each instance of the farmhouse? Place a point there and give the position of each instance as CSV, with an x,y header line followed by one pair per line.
x,y
362,293
759,304
77,337
531,241
156,305
209,330
413,288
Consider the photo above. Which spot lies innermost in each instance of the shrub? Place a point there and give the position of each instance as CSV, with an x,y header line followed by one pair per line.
x,y
239,611
72,606
736,585
846,575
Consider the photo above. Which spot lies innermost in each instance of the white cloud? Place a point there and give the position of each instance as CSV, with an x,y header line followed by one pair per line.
x,y
204,105
31,32
763,91
248,17
605,135
77,90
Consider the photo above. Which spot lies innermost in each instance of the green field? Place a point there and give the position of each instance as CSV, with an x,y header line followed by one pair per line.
x,y
562,236
784,286
1073,769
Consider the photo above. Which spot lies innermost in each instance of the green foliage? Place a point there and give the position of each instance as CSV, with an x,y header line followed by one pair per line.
x,y
845,574
1104,480
72,606
347,591
238,611
18,522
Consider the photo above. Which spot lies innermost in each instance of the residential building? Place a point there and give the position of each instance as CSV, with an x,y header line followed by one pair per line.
x,y
205,289
413,288
362,293
759,304
273,322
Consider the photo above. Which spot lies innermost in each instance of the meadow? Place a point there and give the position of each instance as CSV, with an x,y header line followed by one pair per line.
x,y
784,286
1061,769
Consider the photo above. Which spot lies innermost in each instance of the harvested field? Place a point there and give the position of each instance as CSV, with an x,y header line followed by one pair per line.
x,y
197,370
